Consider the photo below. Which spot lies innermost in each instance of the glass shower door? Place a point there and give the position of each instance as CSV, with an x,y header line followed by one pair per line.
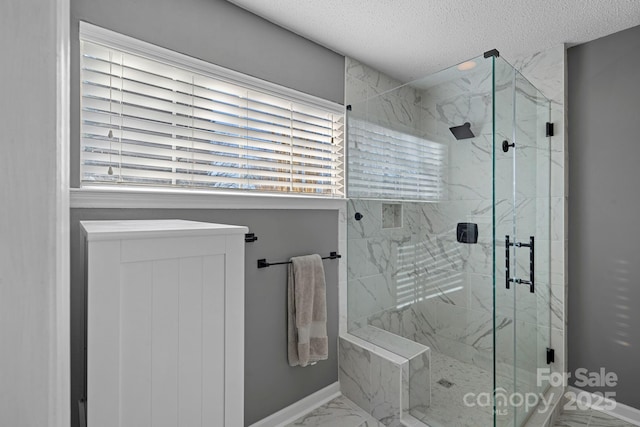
x,y
521,245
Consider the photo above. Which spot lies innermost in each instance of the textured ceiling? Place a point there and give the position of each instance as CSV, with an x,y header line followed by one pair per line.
x,y
409,39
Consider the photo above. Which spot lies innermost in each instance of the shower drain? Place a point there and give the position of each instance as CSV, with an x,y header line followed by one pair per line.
x,y
445,383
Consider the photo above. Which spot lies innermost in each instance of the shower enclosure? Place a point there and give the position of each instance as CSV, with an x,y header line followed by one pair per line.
x,y
448,232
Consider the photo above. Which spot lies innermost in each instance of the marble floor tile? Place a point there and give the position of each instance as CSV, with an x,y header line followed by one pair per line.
x,y
600,419
589,418
339,412
447,407
573,419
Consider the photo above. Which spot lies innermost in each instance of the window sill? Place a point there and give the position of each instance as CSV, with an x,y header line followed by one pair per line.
x,y
119,198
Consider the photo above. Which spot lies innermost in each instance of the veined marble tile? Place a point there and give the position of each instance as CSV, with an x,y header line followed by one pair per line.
x,y
474,328
400,346
480,258
356,93
388,320
434,219
467,98
339,412
530,307
480,288
546,71
559,344
470,172
558,262
335,413
368,257
392,110
557,306
419,321
526,346
354,373
411,221
573,419
600,419
419,387
370,295
376,79
386,379
551,221
447,407
404,397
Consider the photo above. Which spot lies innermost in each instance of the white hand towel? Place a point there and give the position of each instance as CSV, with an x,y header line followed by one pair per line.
x,y
307,311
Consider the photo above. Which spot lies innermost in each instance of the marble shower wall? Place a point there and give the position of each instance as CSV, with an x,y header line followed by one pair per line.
x,y
415,279
381,99
547,71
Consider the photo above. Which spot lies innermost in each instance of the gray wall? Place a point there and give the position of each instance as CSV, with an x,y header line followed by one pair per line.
x,y
604,209
270,383
221,33
215,31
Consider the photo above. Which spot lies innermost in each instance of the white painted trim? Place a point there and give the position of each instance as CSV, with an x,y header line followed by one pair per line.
x,y
620,411
301,407
156,198
59,347
103,36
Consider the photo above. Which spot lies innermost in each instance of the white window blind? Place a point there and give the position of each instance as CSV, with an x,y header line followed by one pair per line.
x,y
387,164
145,121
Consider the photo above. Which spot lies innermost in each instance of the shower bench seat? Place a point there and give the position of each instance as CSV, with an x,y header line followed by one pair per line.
x,y
385,374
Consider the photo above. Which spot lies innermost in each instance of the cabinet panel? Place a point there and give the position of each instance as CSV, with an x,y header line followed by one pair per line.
x,y
136,316
190,343
164,338
165,335
171,247
103,338
213,326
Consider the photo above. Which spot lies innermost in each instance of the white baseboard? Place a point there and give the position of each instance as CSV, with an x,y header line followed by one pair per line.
x,y
301,407
620,411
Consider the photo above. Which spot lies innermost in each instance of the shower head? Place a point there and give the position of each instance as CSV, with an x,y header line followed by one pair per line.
x,y
462,131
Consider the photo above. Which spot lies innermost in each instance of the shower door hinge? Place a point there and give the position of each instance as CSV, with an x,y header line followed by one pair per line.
x,y
492,52
549,129
551,356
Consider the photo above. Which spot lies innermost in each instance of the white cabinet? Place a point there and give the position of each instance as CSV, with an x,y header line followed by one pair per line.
x,y
165,324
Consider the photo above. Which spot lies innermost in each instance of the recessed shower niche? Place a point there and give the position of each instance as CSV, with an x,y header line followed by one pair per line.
x,y
391,215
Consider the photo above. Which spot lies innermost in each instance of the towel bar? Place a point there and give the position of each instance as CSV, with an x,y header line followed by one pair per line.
x,y
262,263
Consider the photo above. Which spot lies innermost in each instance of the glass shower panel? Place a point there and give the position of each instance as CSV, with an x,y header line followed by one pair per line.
x,y
413,181
522,242
532,226
503,183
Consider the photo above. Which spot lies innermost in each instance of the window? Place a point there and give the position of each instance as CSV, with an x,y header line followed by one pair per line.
x,y
153,117
387,164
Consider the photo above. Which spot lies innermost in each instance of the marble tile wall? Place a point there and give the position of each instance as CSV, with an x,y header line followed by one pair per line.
x,y
547,71
416,280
